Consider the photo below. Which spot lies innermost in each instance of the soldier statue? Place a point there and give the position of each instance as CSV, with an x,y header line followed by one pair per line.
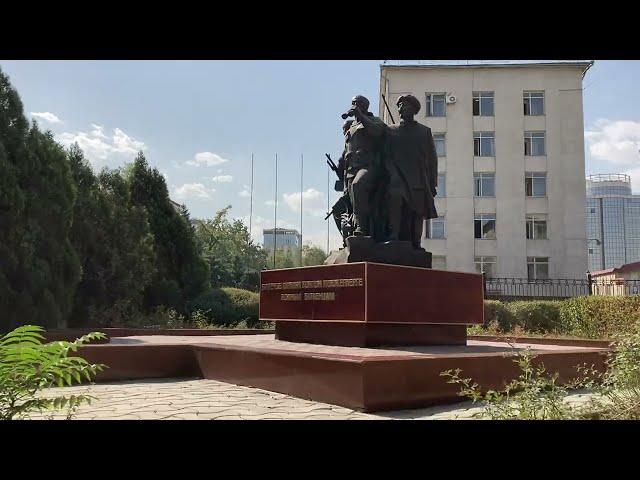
x,y
412,165
363,157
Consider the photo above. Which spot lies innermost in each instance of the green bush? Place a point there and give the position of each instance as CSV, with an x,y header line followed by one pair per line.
x,y
497,316
228,306
600,316
537,316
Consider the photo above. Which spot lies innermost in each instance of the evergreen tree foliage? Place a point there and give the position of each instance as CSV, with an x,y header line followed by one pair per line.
x,y
114,243
181,273
39,267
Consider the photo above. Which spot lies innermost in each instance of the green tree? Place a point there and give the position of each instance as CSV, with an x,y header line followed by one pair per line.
x,y
233,259
114,243
312,255
40,269
181,273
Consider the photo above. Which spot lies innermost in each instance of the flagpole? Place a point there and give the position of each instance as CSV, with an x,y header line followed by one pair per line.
x,y
275,216
301,195
251,202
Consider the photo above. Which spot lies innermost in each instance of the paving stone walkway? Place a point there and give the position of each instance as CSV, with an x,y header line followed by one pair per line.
x,y
180,399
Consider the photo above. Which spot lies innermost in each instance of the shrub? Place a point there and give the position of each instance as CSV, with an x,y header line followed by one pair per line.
x,y
497,316
228,306
537,316
28,366
533,395
600,316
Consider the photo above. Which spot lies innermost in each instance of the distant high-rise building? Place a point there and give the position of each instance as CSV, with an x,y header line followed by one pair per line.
x,y
613,221
284,239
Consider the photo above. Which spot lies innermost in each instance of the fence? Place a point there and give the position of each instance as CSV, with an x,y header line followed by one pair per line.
x,y
555,289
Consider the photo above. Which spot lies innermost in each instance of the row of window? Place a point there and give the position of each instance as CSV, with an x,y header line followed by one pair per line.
x,y
484,227
537,267
484,144
484,184
483,104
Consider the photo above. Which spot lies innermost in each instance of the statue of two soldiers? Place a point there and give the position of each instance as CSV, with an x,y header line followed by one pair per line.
x,y
388,175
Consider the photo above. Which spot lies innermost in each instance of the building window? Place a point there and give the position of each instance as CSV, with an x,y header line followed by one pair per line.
x,y
538,268
435,228
484,184
535,184
483,145
439,262
486,265
439,141
484,226
442,185
536,227
435,105
483,104
534,103
534,143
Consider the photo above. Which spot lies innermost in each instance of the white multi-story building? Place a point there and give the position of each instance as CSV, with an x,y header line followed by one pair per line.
x,y
510,142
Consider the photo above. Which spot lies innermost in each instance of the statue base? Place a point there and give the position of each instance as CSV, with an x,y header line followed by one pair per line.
x,y
394,252
369,304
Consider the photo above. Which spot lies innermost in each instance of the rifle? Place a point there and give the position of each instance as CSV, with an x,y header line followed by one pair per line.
x,y
388,109
331,164
339,185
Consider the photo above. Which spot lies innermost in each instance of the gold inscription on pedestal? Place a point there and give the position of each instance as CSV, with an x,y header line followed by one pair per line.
x,y
324,296
335,283
312,296
290,297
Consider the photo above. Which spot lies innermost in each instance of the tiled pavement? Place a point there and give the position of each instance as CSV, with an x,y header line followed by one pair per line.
x,y
179,399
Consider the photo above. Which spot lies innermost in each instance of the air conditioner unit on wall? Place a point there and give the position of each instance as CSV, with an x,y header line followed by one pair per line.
x,y
451,98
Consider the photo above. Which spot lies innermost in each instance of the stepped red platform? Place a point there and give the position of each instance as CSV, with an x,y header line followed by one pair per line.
x,y
371,304
366,379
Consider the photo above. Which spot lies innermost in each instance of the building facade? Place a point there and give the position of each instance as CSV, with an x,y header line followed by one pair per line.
x,y
282,238
613,222
510,143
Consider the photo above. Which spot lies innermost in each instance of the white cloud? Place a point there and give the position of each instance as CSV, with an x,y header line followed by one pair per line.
x,y
101,149
313,202
125,144
245,193
222,179
207,159
616,142
190,191
46,116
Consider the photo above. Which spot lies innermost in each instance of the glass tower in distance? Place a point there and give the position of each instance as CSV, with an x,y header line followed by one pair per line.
x,y
613,221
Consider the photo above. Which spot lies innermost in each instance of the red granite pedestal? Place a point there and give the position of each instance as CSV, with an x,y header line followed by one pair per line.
x,y
370,304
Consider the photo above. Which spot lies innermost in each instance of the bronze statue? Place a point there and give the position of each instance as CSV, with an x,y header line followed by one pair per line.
x,y
412,165
388,176
342,210
363,152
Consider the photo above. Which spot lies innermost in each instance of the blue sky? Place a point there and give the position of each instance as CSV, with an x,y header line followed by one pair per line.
x,y
199,122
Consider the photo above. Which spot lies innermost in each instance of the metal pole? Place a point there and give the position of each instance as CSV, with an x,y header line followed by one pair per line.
x,y
328,169
251,202
301,191
275,216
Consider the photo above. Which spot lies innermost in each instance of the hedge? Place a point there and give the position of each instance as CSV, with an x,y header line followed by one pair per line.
x,y
228,306
601,316
587,317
